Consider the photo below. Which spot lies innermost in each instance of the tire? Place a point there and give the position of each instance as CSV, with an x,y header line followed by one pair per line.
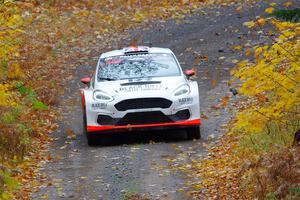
x,y
193,133
84,125
89,136
90,139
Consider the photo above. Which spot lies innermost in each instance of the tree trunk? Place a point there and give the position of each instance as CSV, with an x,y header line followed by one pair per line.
x,y
297,138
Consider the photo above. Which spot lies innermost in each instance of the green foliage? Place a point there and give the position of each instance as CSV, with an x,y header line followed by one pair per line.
x,y
271,196
267,141
31,96
24,129
4,196
6,182
295,191
288,15
7,118
9,181
38,105
11,116
24,90
16,110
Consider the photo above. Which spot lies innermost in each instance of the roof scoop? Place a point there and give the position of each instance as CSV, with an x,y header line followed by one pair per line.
x,y
136,50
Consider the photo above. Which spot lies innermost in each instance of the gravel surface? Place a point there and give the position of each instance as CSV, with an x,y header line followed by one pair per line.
x,y
130,162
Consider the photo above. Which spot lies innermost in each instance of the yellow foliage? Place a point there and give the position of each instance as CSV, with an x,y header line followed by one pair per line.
x,y
10,21
275,74
14,71
264,124
3,95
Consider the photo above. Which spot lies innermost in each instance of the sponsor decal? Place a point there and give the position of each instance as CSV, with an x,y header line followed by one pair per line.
x,y
138,88
139,79
98,106
186,100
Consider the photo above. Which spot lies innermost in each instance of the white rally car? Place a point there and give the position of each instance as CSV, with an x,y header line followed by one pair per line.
x,y
138,88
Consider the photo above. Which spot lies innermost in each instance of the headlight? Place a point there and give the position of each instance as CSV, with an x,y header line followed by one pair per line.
x,y
101,96
184,89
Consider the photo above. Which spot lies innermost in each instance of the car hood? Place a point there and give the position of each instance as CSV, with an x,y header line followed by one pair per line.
x,y
141,86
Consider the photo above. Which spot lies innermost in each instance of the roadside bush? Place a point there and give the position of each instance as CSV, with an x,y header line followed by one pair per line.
x,y
272,117
13,144
15,103
275,175
256,159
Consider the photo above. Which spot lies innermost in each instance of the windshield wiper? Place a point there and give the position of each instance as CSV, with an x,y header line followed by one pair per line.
x,y
132,78
107,79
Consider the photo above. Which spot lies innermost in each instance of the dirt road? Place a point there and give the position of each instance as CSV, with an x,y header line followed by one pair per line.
x,y
130,162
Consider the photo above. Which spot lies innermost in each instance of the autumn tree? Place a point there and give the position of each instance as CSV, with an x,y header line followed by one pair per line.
x,y
272,83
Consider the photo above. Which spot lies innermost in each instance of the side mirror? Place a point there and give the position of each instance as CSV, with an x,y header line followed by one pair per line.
x,y
189,72
86,80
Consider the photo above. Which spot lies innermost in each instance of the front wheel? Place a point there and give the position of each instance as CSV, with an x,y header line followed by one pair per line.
x,y
84,125
91,139
89,136
193,133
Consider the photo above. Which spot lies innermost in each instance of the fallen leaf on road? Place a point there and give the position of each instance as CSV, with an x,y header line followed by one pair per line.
x,y
215,107
152,142
213,83
261,21
269,10
189,49
247,52
203,116
211,137
63,147
249,24
225,101
238,9
235,61
237,47
44,196
287,4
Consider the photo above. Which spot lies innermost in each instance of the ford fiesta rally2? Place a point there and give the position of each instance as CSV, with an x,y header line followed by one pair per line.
x,y
139,88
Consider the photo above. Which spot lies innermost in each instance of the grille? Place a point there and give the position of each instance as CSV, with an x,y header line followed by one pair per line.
x,y
141,103
144,118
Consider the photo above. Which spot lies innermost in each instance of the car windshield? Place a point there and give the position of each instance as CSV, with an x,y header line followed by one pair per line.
x,y
137,66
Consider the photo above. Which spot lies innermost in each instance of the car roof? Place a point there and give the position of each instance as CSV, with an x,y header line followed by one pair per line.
x,y
121,52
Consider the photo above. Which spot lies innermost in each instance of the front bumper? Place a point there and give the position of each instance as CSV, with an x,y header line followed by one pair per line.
x,y
157,126
155,111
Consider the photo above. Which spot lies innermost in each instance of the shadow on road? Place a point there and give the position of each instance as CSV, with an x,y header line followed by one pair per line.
x,y
138,137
